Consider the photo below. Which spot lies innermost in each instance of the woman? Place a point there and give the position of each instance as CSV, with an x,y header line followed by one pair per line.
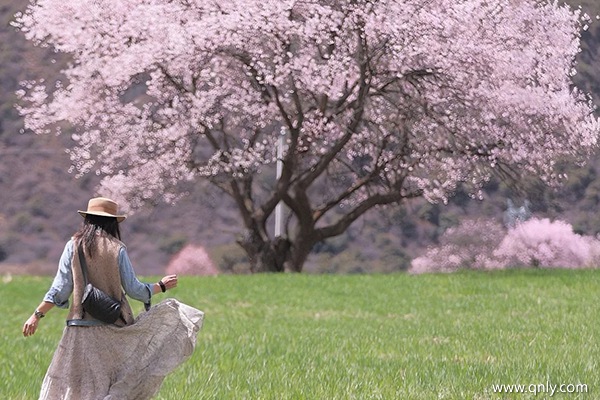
x,y
124,360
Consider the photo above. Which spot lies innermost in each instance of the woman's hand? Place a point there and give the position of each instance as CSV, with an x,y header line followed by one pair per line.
x,y
170,281
30,325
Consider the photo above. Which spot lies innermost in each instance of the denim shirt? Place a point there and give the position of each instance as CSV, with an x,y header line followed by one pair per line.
x,y
62,286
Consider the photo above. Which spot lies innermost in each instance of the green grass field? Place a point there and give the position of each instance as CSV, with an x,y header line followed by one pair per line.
x,y
355,336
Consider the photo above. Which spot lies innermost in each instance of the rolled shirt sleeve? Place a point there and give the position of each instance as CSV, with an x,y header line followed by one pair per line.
x,y
62,286
133,287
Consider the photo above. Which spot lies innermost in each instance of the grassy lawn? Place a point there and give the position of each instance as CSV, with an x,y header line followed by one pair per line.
x,y
356,336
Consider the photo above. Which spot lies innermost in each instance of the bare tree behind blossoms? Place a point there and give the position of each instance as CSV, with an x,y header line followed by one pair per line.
x,y
380,102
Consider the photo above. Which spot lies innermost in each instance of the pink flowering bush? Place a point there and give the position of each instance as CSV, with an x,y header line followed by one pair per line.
x,y
192,260
484,244
545,243
468,245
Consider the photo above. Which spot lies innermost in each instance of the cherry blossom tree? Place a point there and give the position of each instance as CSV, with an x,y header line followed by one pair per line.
x,y
470,245
545,243
191,260
380,102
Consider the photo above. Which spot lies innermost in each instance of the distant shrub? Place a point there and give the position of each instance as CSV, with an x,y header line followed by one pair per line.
x,y
230,258
192,260
545,243
172,244
481,244
468,245
351,261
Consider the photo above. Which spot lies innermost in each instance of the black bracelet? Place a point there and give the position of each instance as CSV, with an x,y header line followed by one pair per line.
x,y
162,286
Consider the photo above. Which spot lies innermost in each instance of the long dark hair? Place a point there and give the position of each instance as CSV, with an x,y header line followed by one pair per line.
x,y
94,226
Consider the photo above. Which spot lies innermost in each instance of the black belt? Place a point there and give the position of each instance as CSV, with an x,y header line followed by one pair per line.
x,y
84,322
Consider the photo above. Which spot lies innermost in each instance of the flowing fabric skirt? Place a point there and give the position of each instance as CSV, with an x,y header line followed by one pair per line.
x,y
129,363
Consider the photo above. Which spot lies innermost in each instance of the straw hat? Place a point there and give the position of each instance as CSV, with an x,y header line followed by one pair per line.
x,y
103,207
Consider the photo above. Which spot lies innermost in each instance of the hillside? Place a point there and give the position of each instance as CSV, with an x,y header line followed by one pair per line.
x,y
39,197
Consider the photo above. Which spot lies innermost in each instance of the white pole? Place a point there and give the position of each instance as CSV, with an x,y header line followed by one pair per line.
x,y
279,206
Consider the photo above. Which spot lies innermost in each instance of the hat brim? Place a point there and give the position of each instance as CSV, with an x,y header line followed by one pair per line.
x,y
120,218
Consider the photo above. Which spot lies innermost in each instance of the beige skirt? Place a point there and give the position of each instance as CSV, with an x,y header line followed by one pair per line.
x,y
129,363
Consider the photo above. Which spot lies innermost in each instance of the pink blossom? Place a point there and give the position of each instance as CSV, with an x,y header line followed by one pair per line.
x,y
545,243
467,86
485,244
192,260
466,246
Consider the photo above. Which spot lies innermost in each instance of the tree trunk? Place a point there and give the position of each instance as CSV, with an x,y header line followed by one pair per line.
x,y
275,255
264,254
297,256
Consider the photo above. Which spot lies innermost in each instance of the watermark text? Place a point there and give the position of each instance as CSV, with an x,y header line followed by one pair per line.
x,y
547,388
